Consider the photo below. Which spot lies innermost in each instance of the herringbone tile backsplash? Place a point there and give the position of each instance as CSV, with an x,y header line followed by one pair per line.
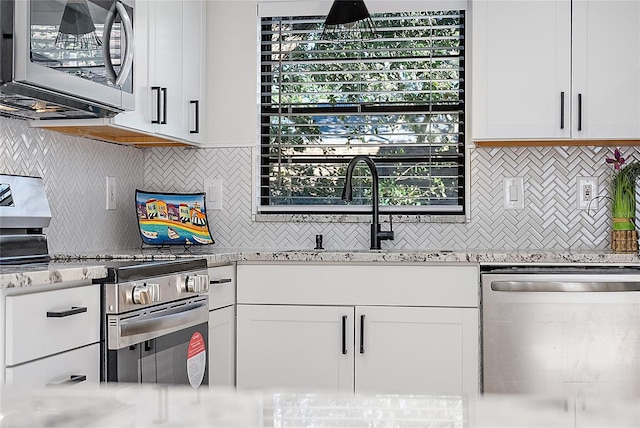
x,y
549,220
74,171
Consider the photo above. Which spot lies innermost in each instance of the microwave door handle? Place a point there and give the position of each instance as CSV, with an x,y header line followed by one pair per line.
x,y
106,42
127,28
127,64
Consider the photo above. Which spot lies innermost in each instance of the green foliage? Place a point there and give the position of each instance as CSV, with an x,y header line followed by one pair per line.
x,y
412,63
623,206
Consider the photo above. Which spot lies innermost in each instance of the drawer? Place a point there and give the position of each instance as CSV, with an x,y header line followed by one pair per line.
x,y
412,284
49,322
66,368
222,286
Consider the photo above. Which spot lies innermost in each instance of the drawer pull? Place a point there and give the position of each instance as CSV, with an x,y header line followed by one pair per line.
x,y
220,281
362,334
73,379
61,314
344,335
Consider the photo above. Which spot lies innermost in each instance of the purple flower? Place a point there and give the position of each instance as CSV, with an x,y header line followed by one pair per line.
x,y
618,160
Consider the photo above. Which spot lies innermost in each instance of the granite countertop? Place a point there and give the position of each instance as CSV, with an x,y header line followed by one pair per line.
x,y
175,406
54,272
89,266
488,257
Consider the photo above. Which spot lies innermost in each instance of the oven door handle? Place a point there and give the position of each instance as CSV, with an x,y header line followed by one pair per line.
x,y
565,286
132,331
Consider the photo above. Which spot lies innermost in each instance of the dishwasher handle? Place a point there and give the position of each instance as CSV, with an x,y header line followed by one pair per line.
x,y
565,286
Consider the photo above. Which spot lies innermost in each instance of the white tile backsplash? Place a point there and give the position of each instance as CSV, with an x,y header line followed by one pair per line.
x,y
549,219
75,170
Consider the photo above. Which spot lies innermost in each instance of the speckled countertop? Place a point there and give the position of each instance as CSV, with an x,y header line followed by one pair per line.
x,y
129,405
89,266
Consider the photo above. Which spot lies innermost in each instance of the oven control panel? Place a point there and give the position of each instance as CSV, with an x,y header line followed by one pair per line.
x,y
128,296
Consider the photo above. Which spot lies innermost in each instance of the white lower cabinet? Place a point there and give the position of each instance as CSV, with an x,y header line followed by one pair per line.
x,y
416,350
222,326
222,347
321,338
52,335
76,366
390,350
295,347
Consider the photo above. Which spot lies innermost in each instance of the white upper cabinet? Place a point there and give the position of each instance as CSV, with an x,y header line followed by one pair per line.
x,y
140,118
555,69
606,68
193,67
169,70
521,66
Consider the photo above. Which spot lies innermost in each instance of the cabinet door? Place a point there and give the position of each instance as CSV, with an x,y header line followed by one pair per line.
x,y
140,118
165,62
193,53
80,365
521,69
606,68
222,346
403,350
60,319
308,347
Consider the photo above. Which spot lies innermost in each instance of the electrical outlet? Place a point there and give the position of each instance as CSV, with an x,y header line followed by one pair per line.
x,y
513,193
111,193
587,191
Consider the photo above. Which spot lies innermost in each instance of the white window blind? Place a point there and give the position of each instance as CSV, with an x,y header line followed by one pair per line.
x,y
398,98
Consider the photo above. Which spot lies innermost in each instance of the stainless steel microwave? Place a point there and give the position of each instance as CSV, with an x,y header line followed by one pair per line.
x,y
66,58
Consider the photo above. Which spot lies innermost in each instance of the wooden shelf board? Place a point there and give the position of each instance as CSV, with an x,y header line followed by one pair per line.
x,y
116,135
547,143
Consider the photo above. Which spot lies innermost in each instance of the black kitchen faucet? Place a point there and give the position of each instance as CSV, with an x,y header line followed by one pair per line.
x,y
377,235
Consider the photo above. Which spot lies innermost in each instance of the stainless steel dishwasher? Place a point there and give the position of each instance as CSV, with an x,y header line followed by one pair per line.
x,y
561,330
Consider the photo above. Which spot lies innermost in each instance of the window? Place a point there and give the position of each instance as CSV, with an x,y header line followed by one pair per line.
x,y
398,98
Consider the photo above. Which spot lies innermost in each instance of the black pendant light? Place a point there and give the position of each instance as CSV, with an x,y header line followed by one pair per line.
x,y
348,19
77,31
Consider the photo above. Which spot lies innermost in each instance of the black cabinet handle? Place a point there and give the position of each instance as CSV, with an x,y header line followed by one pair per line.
x,y
579,112
196,103
61,314
344,335
73,379
362,334
153,89
220,281
562,110
147,345
164,106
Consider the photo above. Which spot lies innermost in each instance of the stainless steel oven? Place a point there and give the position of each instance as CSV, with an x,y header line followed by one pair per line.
x,y
155,326
66,58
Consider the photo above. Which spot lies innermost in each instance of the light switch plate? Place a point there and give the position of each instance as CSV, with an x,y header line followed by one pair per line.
x,y
513,190
213,189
